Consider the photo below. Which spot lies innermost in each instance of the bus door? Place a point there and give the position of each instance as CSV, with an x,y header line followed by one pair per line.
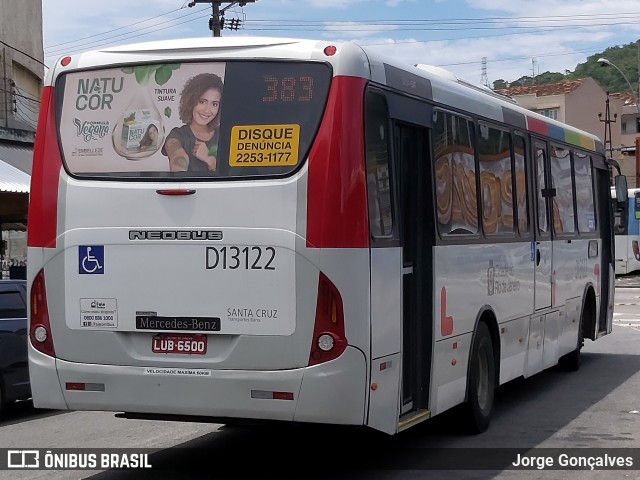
x,y
543,251
411,159
633,253
621,227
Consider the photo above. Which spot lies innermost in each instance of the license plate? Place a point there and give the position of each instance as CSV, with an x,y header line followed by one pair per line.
x,y
189,344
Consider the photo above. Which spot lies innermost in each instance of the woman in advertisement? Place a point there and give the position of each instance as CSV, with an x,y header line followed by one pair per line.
x,y
150,138
194,146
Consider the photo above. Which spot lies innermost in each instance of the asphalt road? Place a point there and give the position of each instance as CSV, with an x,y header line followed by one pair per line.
x,y
597,407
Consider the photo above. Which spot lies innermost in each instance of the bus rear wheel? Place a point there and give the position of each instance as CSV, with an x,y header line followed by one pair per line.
x,y
481,384
571,361
2,400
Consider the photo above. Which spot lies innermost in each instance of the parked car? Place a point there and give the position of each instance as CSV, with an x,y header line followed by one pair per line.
x,y
14,366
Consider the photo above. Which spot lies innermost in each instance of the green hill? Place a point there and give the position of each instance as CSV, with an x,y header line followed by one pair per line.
x,y
625,57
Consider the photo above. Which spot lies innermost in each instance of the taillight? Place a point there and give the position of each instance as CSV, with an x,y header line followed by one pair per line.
x,y
40,327
636,250
47,163
328,333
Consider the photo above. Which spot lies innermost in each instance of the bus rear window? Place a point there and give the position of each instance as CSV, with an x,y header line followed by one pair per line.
x,y
190,120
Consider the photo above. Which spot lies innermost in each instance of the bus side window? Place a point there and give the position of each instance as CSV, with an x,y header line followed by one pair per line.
x,y
541,184
522,209
496,172
563,214
377,165
455,174
584,193
636,209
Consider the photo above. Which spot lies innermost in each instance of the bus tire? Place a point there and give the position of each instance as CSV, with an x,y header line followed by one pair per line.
x,y
481,384
2,400
571,361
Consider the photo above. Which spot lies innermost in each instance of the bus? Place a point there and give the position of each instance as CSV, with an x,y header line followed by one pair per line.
x,y
317,234
626,227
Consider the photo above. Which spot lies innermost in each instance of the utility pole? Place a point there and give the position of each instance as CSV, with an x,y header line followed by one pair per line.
x,y
216,22
484,79
215,7
5,90
638,45
637,142
607,126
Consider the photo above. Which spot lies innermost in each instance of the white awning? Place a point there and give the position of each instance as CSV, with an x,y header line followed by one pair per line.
x,y
20,155
13,180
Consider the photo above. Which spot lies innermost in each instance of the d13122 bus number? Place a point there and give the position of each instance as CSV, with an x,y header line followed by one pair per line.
x,y
247,258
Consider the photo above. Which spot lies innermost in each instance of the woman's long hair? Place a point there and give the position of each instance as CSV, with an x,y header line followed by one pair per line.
x,y
191,93
146,141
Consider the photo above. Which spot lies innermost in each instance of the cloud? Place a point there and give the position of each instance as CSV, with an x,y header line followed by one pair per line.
x,y
356,30
342,4
495,29
395,3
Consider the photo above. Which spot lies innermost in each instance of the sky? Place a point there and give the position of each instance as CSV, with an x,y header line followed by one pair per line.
x,y
514,37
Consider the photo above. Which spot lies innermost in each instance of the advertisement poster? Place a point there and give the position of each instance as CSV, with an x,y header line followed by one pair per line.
x,y
145,118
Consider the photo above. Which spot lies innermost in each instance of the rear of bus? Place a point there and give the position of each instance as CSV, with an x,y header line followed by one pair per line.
x,y
626,223
241,292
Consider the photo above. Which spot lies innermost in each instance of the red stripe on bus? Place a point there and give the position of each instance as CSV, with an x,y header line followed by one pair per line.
x,y
538,126
336,200
45,172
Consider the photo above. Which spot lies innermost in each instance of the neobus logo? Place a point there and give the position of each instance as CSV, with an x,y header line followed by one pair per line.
x,y
175,235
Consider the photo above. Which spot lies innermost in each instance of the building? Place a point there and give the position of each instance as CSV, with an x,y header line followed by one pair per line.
x,y
21,75
629,122
582,104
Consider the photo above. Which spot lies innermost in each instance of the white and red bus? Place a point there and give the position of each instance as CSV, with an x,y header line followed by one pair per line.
x,y
346,239
626,227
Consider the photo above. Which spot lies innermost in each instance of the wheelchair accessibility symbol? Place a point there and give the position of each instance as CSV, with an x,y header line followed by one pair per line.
x,y
91,259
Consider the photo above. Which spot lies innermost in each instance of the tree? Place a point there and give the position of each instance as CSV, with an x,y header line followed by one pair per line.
x,y
549,77
624,57
499,84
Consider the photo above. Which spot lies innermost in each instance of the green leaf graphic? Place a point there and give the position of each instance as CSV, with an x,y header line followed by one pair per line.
x,y
142,72
130,120
167,112
163,74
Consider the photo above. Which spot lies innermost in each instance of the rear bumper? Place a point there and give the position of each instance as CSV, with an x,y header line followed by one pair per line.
x,y
333,392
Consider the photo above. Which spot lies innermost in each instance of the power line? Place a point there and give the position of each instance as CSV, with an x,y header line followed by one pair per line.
x,y
18,95
25,94
22,52
29,108
216,21
538,24
127,38
26,120
463,20
417,27
336,27
114,30
109,41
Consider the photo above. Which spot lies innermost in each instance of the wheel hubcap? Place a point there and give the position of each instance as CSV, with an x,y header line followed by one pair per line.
x,y
482,379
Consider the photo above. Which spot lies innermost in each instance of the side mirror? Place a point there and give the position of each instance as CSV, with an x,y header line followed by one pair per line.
x,y
621,188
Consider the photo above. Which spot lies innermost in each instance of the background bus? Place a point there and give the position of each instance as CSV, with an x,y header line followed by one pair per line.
x,y
345,239
627,232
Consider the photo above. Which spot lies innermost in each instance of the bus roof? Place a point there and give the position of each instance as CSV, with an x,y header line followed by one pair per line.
x,y
350,59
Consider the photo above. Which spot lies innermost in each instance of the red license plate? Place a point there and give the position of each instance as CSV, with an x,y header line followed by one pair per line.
x,y
186,343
